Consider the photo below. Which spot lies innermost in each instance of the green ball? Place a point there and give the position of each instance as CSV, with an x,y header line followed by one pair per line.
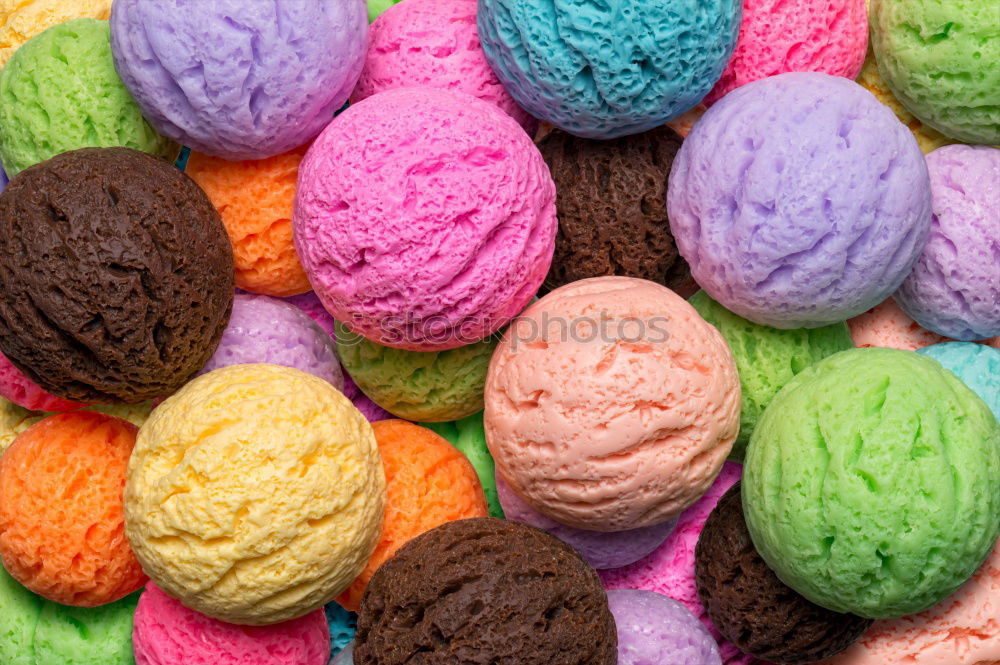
x,y
376,7
469,436
35,631
767,358
941,59
872,483
423,386
60,92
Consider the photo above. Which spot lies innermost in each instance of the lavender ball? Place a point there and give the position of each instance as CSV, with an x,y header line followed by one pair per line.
x,y
266,330
954,290
238,79
799,201
601,550
653,628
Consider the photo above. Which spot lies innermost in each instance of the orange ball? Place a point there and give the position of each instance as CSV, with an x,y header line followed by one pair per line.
x,y
255,199
62,525
428,482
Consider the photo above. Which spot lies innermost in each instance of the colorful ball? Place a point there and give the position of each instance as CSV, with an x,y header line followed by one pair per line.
x,y
653,628
24,392
23,19
469,436
799,201
62,530
977,365
255,494
240,80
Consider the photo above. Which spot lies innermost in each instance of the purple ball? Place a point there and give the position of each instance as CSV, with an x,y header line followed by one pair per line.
x,y
601,550
238,79
3,179
653,628
266,330
954,290
799,201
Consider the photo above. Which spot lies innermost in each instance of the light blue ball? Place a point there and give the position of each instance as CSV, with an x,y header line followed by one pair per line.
x,y
610,68
342,625
977,365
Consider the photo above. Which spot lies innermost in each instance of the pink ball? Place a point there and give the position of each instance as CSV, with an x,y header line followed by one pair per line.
x,y
167,633
433,43
829,36
425,219
24,392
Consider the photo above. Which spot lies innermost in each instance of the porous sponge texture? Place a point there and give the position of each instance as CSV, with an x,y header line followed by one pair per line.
x,y
431,386
872,483
48,105
812,36
937,59
255,494
21,390
799,201
23,19
255,200
767,358
61,521
428,483
604,70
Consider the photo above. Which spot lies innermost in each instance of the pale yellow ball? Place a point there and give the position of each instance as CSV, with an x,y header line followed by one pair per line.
x,y
255,494
20,20
14,420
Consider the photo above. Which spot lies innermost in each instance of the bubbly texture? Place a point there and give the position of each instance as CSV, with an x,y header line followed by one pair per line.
x,y
845,492
433,43
610,69
342,626
116,276
21,390
296,63
47,107
799,201
653,628
812,36
964,629
613,429
601,550
267,330
433,386
255,494
927,137
469,436
609,197
36,631
767,358
428,483
255,200
954,289
485,592
977,365
20,20
167,633
752,607
888,326
670,568
62,528
936,58
434,235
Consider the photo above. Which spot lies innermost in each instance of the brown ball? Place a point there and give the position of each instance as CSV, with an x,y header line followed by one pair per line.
x,y
611,201
116,275
751,607
485,592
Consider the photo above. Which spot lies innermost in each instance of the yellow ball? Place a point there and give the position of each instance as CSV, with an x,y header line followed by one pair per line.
x,y
255,494
20,20
14,420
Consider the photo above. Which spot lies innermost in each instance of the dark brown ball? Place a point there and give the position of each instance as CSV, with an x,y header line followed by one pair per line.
x,y
116,275
751,607
611,199
485,592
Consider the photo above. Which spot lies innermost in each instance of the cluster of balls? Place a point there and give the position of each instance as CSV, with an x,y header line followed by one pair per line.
x,y
499,332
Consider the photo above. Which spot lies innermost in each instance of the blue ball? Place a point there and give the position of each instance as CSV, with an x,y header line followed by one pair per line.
x,y
342,625
977,365
610,68
3,179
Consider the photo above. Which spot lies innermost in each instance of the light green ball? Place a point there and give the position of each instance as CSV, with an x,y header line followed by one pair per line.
x,y
469,436
60,92
872,483
941,59
767,358
376,7
423,386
